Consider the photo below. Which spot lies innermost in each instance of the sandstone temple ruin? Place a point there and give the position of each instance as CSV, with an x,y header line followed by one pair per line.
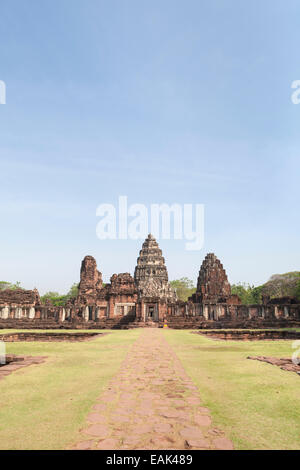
x,y
146,299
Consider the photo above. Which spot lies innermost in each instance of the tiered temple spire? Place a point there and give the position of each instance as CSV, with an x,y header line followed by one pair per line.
x,y
213,285
151,275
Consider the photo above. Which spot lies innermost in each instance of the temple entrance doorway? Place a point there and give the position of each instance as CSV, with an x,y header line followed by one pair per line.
x,y
91,314
152,312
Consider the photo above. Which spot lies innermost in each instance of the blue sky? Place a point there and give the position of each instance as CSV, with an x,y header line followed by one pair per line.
x,y
173,101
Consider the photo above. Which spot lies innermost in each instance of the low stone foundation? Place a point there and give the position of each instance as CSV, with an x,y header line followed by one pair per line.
x,y
198,323
14,362
118,322
248,335
130,321
283,363
15,337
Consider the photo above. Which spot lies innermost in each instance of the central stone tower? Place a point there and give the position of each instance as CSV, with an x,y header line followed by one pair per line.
x,y
151,275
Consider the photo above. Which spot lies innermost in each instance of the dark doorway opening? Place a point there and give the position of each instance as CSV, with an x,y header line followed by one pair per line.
x,y
151,312
90,313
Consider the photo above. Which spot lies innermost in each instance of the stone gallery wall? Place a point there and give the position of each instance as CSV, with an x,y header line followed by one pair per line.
x,y
124,305
19,297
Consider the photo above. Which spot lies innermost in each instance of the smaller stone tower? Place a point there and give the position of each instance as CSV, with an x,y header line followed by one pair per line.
x,y
90,282
213,285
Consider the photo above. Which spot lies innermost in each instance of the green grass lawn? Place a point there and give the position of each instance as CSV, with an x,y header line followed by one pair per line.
x,y
43,406
257,404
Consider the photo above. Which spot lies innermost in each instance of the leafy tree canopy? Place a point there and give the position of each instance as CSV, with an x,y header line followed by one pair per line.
x,y
73,292
9,285
297,292
247,293
58,299
184,288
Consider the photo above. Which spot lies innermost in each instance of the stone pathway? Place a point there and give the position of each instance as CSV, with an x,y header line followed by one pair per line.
x,y
151,404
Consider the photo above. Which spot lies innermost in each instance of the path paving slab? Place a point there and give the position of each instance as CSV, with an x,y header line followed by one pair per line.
x,y
151,404
19,362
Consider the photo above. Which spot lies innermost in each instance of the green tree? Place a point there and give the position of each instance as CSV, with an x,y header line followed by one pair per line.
x,y
184,288
16,285
257,294
4,285
8,285
73,292
297,292
60,300
55,298
248,294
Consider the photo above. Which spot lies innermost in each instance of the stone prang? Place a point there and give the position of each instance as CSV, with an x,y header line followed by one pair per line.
x,y
213,285
90,281
151,275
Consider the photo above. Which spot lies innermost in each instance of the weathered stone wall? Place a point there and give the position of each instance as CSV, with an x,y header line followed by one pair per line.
x,y
252,335
122,295
147,297
19,297
16,337
127,306
224,311
90,282
76,318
